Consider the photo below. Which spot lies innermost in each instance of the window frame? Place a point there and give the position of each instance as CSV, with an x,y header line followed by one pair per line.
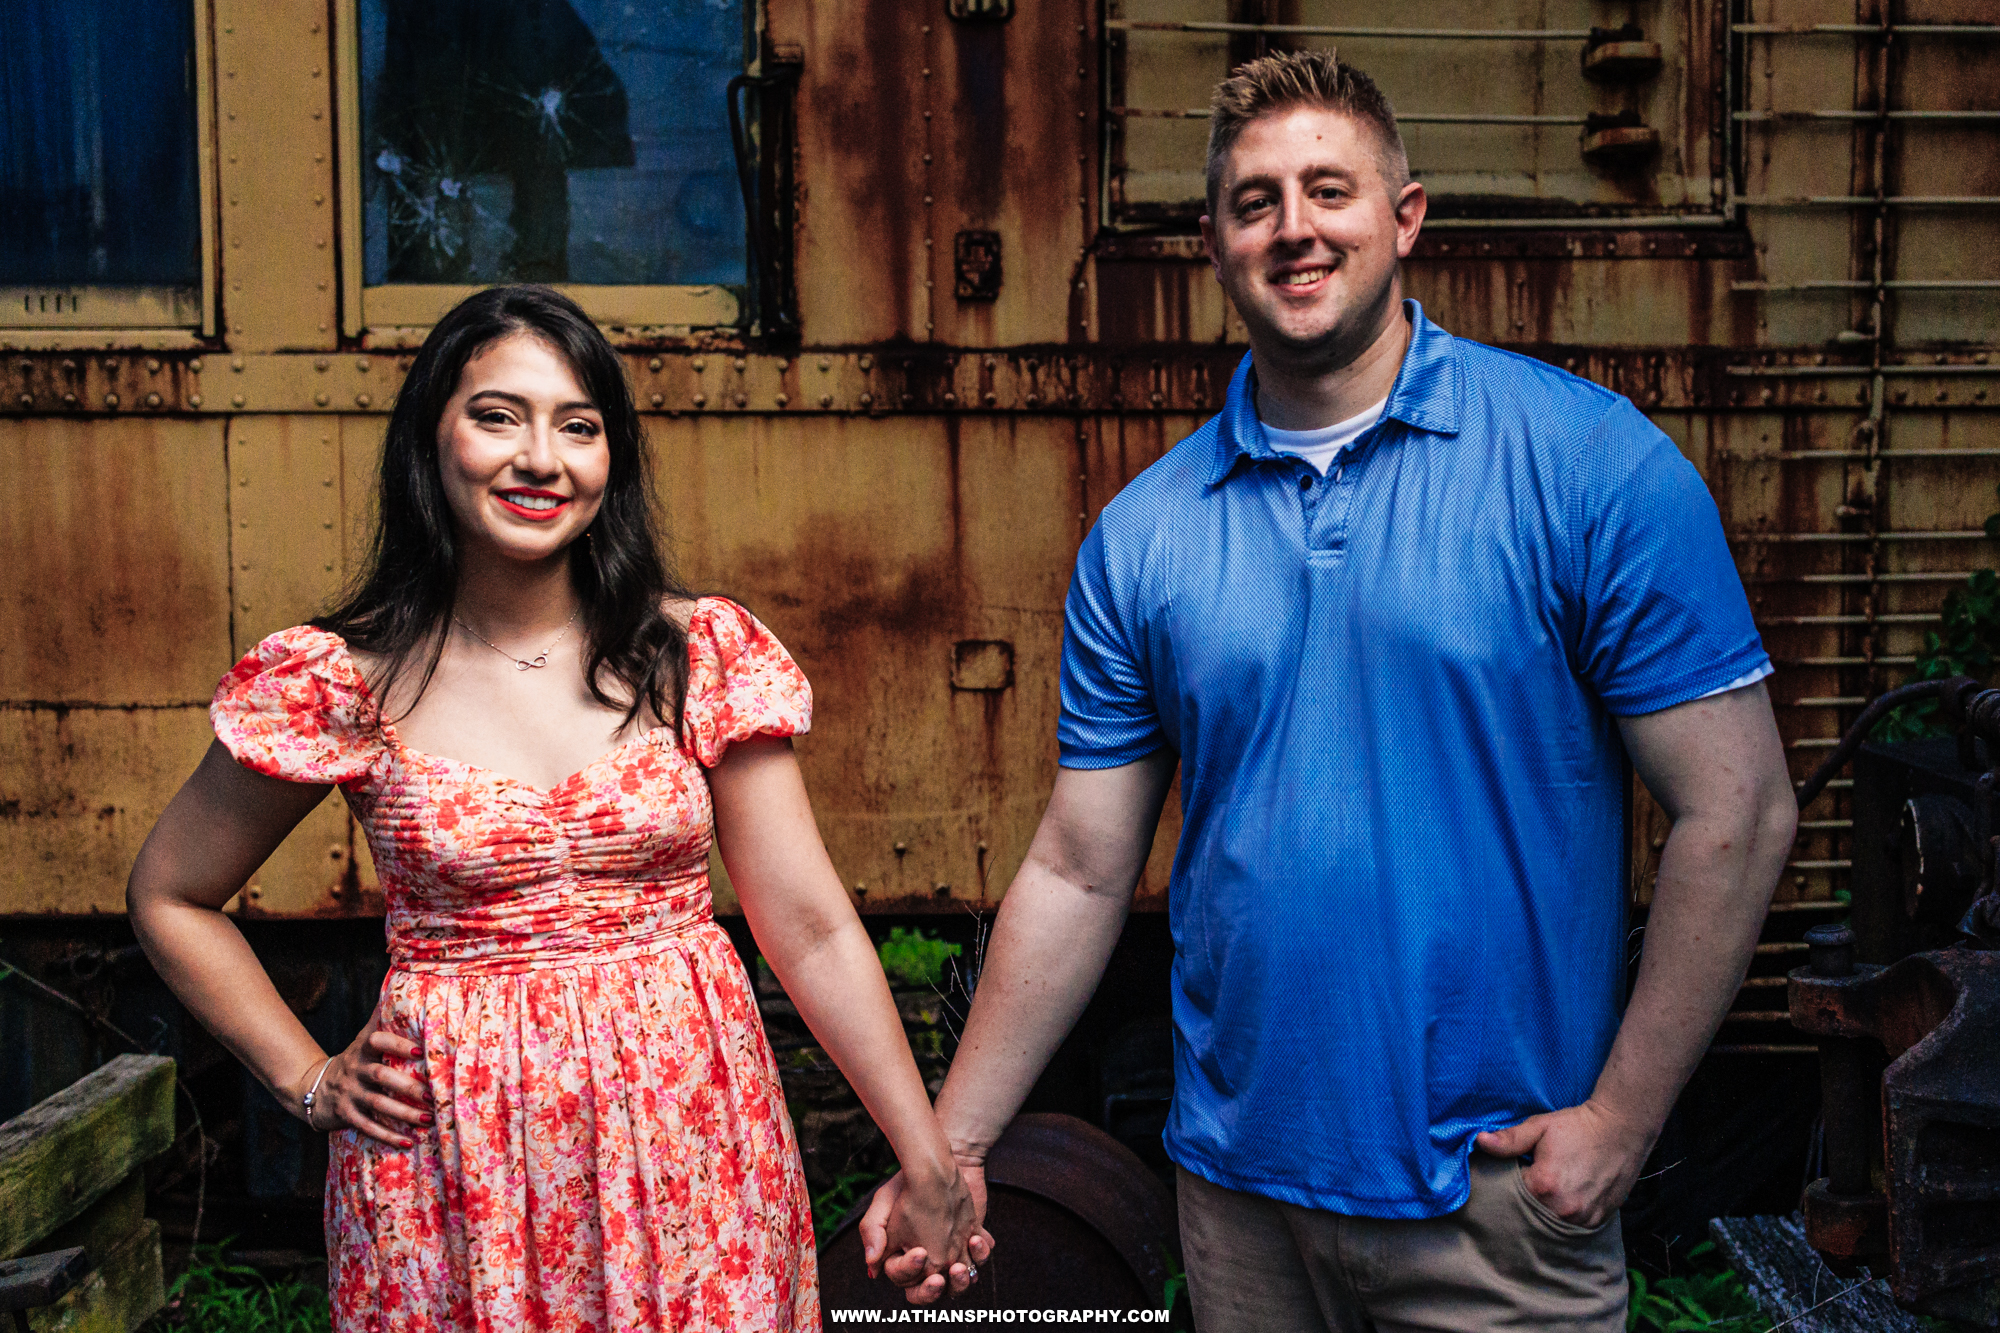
x,y
392,312
107,308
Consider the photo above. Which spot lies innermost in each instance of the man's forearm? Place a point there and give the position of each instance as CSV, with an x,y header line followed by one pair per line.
x,y
1049,947
1716,876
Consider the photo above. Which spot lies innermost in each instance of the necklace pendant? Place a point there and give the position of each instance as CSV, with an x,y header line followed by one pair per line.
x,y
539,661
519,665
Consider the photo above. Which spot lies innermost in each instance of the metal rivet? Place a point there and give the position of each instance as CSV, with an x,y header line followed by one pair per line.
x,y
361,364
782,400
700,365
27,400
152,366
362,400
826,400
237,400
195,365
111,400
825,364
658,399
69,399
321,363
152,400
867,399
236,363
701,400
194,400
654,364
742,401
322,399
867,363
740,363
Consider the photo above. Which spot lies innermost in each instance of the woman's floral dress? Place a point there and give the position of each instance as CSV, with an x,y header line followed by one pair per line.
x,y
611,1148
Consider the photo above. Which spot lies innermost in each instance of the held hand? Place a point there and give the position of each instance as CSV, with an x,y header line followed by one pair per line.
x,y
1586,1159
891,1215
360,1091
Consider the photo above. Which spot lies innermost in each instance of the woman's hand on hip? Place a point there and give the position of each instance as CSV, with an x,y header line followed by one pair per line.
x,y
359,1090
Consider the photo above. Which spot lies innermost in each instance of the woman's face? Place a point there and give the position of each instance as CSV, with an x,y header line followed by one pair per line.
x,y
522,452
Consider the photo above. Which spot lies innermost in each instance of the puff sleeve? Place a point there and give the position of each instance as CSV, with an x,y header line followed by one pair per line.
x,y
741,682
297,708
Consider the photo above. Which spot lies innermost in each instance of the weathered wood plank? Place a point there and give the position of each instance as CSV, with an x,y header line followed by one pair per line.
x,y
39,1279
124,1290
1792,1284
61,1156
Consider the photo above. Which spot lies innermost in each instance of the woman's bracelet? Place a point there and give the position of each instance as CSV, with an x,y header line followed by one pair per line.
x,y
311,1098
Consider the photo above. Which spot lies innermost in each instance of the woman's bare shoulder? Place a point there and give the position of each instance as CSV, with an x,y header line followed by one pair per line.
x,y
680,610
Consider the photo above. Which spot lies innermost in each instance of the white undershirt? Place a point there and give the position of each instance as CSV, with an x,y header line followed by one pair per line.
x,y
1320,447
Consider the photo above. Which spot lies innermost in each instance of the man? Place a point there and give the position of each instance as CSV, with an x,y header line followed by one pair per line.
x,y
1398,613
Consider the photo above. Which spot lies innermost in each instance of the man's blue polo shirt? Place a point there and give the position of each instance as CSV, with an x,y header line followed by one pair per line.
x,y
1396,906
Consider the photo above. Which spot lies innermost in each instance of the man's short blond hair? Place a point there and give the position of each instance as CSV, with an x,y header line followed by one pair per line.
x,y
1291,79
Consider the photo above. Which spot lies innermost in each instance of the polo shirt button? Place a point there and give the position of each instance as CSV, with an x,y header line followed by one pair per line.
x,y
1306,482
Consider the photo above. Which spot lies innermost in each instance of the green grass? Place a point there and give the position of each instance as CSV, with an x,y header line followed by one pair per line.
x,y
217,1296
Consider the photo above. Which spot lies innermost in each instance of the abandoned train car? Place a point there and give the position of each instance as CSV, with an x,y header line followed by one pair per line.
x,y
908,292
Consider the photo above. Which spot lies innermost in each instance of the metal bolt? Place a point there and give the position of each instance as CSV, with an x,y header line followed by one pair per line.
x,y
1830,950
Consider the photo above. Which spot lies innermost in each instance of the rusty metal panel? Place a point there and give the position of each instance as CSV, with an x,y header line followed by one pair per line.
x,y
79,789
276,173
285,521
116,552
1503,116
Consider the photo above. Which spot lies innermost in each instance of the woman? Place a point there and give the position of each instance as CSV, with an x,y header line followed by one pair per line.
x,y
563,1113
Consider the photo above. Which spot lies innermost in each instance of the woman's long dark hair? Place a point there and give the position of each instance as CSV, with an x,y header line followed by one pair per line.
x,y
621,575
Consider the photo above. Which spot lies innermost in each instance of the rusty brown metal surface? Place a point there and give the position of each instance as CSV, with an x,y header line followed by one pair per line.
x,y
914,474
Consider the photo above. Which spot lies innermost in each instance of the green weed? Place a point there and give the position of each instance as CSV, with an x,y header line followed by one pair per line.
x,y
834,1202
217,1296
1710,1299
915,958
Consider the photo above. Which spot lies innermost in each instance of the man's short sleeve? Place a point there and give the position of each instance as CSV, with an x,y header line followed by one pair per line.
x,y
1109,713
1660,614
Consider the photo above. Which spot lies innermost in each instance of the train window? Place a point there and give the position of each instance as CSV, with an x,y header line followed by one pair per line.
x,y
1514,111
584,143
102,127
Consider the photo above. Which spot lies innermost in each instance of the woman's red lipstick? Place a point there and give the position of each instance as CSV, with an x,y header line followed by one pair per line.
x,y
534,515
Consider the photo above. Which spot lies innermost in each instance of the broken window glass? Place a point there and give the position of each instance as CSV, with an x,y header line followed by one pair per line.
x,y
550,141
97,145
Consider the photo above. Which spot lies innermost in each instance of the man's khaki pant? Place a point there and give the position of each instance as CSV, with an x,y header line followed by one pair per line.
x,y
1503,1261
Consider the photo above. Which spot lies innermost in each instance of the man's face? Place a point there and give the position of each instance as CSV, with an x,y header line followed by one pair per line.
x,y
1306,234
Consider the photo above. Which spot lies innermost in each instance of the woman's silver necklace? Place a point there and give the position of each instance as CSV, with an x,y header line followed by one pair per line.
x,y
538,661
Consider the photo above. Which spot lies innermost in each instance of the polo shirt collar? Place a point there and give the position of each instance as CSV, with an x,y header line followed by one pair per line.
x,y
1428,395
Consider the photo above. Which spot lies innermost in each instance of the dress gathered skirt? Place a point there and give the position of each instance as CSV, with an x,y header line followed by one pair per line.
x,y
610,1148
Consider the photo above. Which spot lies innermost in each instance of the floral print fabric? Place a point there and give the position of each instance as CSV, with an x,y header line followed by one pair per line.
x,y
611,1148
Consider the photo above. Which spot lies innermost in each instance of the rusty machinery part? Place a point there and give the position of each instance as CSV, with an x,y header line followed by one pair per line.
x,y
1961,696
1078,1221
1907,1071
